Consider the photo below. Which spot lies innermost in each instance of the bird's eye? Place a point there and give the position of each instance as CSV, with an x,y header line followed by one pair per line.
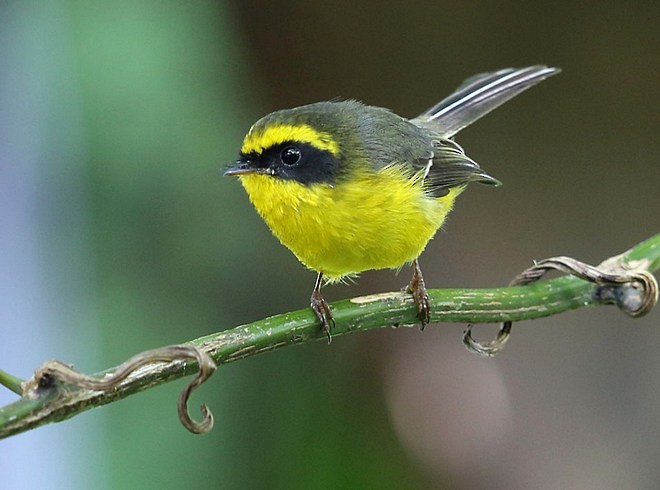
x,y
290,155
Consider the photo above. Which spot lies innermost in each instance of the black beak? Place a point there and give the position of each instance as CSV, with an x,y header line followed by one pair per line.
x,y
241,167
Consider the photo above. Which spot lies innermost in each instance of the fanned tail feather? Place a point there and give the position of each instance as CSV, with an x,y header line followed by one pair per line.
x,y
480,94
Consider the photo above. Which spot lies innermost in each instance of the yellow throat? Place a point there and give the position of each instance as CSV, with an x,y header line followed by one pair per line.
x,y
372,220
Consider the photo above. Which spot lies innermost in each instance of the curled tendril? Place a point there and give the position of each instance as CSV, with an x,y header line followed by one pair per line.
x,y
487,349
206,368
635,292
57,372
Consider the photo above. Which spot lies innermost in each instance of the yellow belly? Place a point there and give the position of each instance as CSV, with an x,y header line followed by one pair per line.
x,y
376,220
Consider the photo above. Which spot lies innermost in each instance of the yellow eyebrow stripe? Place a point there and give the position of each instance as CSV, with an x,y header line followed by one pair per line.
x,y
259,140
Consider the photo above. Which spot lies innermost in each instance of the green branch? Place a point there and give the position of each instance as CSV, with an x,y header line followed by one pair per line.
x,y
49,401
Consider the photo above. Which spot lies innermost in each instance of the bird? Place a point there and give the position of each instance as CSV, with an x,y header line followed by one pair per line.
x,y
348,187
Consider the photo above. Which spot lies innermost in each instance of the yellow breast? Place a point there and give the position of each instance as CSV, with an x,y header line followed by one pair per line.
x,y
374,220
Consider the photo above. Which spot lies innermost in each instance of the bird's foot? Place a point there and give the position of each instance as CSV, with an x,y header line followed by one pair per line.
x,y
421,296
322,310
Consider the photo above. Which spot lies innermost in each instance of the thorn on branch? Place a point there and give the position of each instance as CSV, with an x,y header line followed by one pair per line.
x,y
634,291
58,375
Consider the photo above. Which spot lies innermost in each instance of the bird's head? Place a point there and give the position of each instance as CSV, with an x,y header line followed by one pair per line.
x,y
307,144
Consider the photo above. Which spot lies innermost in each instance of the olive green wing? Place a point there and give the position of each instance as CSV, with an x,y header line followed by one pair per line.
x,y
390,139
451,167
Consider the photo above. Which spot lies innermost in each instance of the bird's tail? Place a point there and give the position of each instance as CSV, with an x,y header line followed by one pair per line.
x,y
480,94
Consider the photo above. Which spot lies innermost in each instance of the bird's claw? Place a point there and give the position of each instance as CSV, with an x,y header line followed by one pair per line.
x,y
421,296
323,313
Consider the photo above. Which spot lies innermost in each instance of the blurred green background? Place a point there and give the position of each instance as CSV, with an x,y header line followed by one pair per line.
x,y
118,234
